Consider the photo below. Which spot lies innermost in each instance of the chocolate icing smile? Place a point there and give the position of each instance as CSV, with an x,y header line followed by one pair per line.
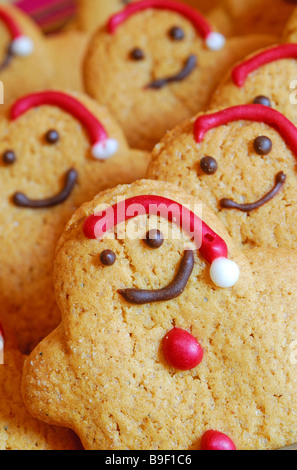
x,y
279,182
173,290
184,73
22,200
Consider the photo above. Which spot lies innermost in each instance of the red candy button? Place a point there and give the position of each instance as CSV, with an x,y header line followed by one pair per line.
x,y
215,440
182,351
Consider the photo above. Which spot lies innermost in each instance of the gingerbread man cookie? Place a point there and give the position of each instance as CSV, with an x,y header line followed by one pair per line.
x,y
266,77
242,162
18,429
57,151
156,63
25,65
162,343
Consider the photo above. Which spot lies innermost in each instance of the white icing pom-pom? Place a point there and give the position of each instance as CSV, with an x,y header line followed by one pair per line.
x,y
22,46
105,150
215,41
224,272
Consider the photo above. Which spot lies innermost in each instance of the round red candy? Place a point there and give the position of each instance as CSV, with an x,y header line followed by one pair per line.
x,y
215,440
182,351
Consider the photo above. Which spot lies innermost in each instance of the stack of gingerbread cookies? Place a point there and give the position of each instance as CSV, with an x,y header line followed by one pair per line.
x,y
148,239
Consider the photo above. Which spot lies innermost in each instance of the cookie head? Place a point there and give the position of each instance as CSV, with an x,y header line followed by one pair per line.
x,y
157,50
23,53
49,144
19,45
242,160
213,247
265,77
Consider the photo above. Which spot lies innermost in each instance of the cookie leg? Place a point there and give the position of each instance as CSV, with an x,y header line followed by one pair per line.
x,y
42,378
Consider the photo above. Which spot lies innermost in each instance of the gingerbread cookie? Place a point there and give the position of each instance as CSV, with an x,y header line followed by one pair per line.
x,y
18,429
258,16
265,77
163,342
156,63
57,151
25,65
242,162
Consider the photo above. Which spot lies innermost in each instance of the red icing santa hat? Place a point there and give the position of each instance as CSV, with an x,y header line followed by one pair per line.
x,y
223,272
20,45
244,69
213,40
103,147
249,112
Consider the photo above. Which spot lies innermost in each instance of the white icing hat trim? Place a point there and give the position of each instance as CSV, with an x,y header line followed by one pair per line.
x,y
1,344
22,46
224,272
215,41
105,150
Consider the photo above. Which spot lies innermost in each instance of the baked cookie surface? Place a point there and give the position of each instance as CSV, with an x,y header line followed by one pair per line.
x,y
47,169
25,64
67,50
241,161
265,77
122,387
156,63
18,429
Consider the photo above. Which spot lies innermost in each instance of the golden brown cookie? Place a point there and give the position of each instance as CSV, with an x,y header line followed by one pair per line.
x,y
156,63
267,76
241,161
57,150
25,65
18,429
142,368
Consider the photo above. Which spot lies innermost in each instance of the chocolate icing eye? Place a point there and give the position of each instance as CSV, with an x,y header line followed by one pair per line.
x,y
208,165
154,239
52,136
262,100
108,257
137,54
9,157
176,33
262,145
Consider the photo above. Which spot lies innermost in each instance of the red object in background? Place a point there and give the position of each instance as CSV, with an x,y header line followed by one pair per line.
x,y
51,15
